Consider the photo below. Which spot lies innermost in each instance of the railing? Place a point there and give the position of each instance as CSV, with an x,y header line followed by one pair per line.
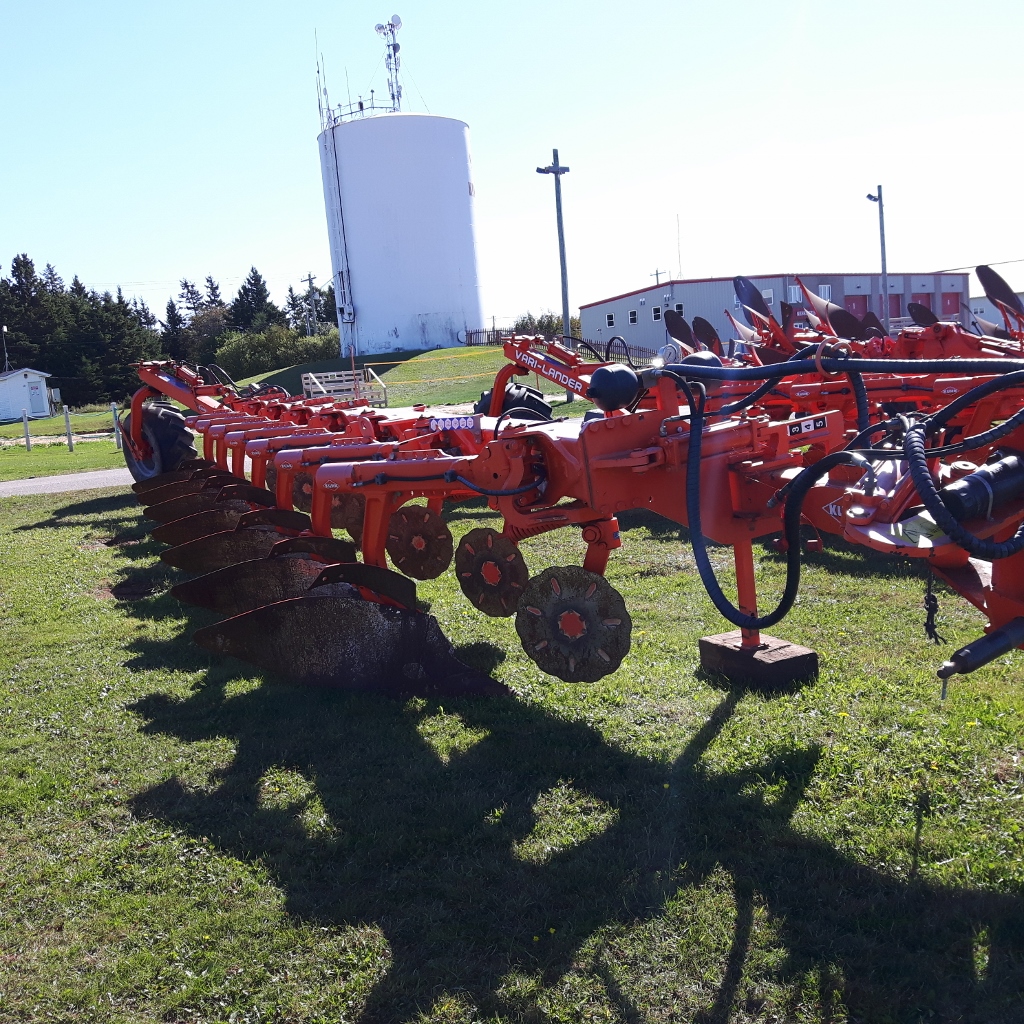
x,y
347,386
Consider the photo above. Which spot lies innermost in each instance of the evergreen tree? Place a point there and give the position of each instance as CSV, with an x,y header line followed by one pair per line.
x,y
213,299
191,297
52,281
252,309
296,310
173,334
330,306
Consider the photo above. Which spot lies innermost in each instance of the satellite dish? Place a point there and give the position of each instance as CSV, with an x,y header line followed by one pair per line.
x,y
396,21
379,28
397,47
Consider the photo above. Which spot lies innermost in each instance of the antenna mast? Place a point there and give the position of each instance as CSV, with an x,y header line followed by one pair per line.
x,y
392,60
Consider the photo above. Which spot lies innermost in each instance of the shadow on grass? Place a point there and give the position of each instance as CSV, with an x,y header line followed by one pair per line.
x,y
426,849
413,851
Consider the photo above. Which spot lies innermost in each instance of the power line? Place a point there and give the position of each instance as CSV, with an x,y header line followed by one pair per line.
x,y
1000,263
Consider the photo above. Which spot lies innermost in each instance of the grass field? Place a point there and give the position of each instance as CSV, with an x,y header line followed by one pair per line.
x,y
53,426
439,377
55,459
184,841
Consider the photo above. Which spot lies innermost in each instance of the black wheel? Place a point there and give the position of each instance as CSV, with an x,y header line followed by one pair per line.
x,y
573,624
524,399
169,438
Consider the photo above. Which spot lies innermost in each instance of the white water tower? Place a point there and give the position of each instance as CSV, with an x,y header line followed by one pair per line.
x,y
398,189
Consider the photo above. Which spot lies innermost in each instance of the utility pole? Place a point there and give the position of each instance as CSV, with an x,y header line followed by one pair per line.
x,y
311,315
885,274
7,362
557,170
657,276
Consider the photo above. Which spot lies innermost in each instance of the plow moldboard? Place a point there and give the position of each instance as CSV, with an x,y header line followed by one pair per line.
x,y
351,644
240,588
205,554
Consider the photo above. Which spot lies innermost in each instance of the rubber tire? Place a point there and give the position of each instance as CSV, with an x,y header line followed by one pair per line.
x,y
517,396
171,440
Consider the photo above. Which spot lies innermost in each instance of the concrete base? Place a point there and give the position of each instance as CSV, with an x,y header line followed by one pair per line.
x,y
775,663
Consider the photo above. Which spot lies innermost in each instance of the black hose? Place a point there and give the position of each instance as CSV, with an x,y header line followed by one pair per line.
x,y
608,348
532,417
451,476
917,459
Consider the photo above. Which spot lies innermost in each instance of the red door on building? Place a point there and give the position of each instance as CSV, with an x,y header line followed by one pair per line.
x,y
950,303
895,306
857,305
922,299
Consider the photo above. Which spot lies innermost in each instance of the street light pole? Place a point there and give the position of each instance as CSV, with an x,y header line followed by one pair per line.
x,y
558,171
885,273
7,364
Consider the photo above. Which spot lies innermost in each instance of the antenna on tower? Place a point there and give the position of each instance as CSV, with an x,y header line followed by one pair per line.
x,y
392,60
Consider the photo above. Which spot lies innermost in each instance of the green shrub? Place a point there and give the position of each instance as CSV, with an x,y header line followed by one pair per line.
x,y
244,355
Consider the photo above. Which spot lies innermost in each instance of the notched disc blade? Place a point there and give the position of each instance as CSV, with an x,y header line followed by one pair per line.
x,y
491,571
347,509
574,624
351,644
204,554
246,585
419,542
202,524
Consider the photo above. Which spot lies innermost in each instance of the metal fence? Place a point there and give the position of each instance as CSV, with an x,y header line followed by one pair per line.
x,y
614,350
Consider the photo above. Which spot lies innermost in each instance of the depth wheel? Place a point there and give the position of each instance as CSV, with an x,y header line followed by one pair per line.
x,y
419,542
573,624
170,441
491,571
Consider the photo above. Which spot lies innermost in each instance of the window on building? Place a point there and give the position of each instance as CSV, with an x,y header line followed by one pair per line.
x,y
656,312
632,316
679,307
796,296
610,319
825,292
768,294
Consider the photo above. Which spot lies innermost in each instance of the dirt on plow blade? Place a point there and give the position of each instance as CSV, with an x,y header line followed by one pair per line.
x,y
242,497
350,644
217,520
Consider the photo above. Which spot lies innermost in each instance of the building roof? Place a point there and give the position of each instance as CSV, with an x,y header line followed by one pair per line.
x,y
24,369
760,277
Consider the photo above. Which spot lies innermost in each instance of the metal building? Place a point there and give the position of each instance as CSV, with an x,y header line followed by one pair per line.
x,y
23,389
638,316
398,189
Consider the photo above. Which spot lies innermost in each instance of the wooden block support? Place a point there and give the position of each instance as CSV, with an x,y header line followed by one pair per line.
x,y
775,663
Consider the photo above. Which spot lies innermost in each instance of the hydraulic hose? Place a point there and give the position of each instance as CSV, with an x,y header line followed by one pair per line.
x,y
798,489
917,460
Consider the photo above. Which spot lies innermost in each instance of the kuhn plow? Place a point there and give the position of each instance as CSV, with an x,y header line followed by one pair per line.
x,y
912,446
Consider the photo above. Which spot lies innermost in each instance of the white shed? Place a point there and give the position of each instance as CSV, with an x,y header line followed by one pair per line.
x,y
23,389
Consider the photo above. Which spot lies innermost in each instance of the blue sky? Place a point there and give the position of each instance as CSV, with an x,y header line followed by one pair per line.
x,y
140,143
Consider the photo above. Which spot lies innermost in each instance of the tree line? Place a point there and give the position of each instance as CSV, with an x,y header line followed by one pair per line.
x,y
87,340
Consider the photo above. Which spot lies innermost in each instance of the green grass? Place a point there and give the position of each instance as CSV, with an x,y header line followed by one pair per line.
x,y
438,377
184,841
55,459
93,422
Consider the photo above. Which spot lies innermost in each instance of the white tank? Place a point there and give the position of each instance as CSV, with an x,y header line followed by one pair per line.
x,y
399,195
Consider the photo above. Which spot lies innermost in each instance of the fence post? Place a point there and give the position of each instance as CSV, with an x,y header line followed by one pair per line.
x,y
67,429
117,426
28,439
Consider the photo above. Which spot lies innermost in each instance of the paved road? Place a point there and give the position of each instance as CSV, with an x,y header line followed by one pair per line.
x,y
68,482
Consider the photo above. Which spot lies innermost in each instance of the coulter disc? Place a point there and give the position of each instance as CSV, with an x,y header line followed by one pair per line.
x,y
348,643
573,624
346,509
491,571
419,542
